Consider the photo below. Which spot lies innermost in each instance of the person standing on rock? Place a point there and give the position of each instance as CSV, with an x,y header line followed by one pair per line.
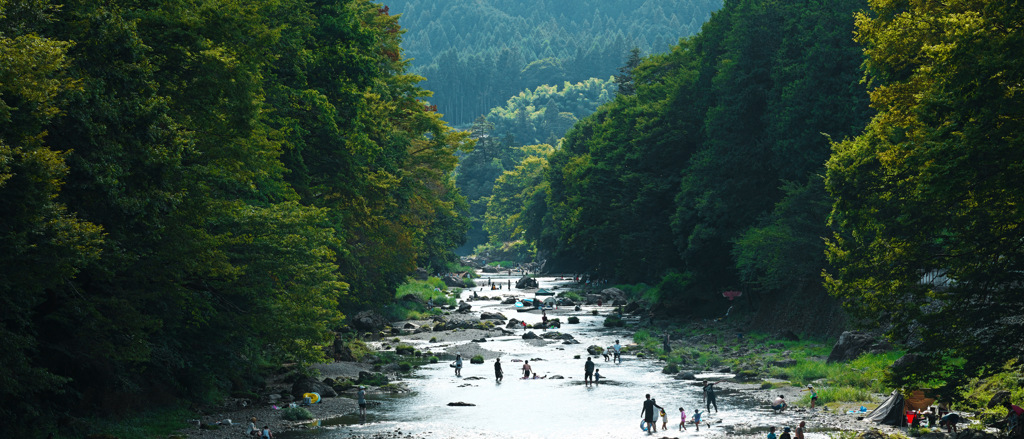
x,y
527,369
709,396
588,371
498,375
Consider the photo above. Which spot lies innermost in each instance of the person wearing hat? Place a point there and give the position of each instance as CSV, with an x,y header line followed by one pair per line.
x,y
785,433
814,394
253,431
361,394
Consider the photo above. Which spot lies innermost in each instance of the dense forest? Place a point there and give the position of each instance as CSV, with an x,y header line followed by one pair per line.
x,y
193,192
477,54
887,140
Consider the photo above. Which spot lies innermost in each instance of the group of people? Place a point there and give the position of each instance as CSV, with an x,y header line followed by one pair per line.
x,y
650,416
785,432
591,375
263,433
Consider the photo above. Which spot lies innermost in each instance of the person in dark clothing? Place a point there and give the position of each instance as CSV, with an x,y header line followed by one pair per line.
x,y
498,374
588,371
709,396
650,415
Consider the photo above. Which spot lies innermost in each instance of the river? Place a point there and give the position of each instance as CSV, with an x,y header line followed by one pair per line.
x,y
549,408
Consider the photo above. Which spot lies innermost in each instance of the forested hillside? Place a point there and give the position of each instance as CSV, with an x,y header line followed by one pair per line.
x,y
192,193
772,139
477,54
708,176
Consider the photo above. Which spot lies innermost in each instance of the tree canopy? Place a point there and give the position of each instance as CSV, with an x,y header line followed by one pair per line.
x,y
926,199
192,191
477,54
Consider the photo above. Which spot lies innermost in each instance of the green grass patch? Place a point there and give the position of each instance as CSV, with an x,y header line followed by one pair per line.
x,y
296,414
571,295
359,349
837,394
433,289
980,391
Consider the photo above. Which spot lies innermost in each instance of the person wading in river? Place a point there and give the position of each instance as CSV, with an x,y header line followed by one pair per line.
x,y
588,371
709,396
649,415
498,375
527,369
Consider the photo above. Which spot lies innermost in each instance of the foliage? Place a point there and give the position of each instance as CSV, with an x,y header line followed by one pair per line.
x,y
707,177
359,349
980,391
545,113
476,55
927,243
374,379
613,322
296,414
838,394
477,359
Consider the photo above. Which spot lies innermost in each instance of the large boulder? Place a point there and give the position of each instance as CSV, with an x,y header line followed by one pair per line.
x,y
686,375
850,346
595,350
513,324
527,282
530,336
491,269
612,295
998,398
311,385
414,299
464,307
555,335
340,352
453,280
509,301
492,316
369,321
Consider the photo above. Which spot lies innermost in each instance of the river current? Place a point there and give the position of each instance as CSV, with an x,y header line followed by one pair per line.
x,y
548,408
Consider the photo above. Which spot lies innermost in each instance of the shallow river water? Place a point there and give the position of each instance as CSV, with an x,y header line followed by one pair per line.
x,y
549,408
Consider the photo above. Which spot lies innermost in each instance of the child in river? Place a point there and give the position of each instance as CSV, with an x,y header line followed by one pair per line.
x,y
682,419
696,418
664,420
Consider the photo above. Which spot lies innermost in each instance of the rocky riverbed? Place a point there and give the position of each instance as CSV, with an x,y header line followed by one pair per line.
x,y
466,333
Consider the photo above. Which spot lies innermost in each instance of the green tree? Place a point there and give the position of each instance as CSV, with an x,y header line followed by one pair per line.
x,y
43,245
927,199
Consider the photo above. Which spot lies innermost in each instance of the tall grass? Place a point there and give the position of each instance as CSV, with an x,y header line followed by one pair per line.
x,y
837,394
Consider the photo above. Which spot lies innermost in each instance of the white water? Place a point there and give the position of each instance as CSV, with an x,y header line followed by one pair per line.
x,y
547,408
